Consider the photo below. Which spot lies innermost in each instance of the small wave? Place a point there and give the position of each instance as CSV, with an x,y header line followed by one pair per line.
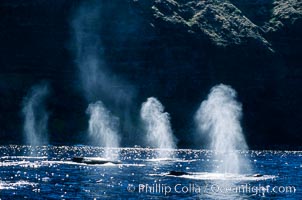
x,y
23,157
223,177
13,163
165,160
16,185
133,165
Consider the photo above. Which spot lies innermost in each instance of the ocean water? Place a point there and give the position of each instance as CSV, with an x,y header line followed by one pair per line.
x,y
47,172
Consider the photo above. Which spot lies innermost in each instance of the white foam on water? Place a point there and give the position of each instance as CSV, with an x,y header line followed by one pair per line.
x,y
165,160
14,186
224,176
14,163
60,162
133,165
24,157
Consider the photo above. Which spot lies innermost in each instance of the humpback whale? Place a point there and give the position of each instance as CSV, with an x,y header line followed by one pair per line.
x,y
94,161
177,173
180,173
257,175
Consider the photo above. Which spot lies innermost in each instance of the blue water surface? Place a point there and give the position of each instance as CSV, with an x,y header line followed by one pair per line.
x,y
47,172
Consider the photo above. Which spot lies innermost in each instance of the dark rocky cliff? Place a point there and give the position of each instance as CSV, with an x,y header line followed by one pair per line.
x,y
175,50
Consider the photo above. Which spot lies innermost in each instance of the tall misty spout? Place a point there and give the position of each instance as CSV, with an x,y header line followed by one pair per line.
x,y
158,127
218,118
96,78
103,128
88,49
35,116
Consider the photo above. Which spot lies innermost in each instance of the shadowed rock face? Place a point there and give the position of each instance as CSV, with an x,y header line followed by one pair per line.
x,y
220,22
285,14
175,50
223,23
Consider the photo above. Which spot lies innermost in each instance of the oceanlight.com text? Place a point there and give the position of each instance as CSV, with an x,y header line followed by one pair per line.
x,y
193,188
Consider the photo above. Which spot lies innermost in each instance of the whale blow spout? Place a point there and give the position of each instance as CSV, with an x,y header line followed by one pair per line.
x,y
158,127
103,128
35,116
218,118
